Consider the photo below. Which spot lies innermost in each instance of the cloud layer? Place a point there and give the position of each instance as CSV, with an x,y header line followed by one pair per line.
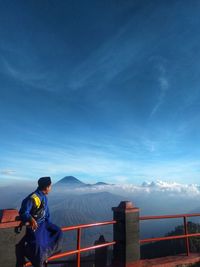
x,y
151,189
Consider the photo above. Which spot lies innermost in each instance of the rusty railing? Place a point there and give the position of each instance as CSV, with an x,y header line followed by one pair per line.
x,y
185,236
79,249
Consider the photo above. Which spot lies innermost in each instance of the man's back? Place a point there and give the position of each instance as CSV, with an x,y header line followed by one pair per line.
x,y
42,238
35,205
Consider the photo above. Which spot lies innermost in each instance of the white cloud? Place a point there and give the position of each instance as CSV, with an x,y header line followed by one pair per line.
x,y
31,72
7,172
114,56
164,86
159,187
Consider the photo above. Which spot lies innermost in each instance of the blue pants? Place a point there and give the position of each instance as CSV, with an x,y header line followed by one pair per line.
x,y
42,243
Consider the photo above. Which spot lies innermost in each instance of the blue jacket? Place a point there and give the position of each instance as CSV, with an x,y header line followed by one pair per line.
x,y
39,244
35,205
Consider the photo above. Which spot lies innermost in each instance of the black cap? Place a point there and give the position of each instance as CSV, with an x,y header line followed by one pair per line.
x,y
44,182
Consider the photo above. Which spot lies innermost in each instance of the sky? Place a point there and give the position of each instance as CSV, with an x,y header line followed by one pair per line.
x,y
101,90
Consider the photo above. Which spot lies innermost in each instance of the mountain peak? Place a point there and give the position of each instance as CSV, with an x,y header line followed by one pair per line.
x,y
70,180
101,183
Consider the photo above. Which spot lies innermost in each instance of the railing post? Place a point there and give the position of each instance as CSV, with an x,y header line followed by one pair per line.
x,y
9,238
186,239
78,259
101,253
126,234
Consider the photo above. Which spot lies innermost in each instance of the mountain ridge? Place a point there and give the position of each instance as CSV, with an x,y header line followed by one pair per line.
x,y
75,182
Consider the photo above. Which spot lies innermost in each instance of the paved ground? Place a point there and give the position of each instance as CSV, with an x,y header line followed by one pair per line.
x,y
173,261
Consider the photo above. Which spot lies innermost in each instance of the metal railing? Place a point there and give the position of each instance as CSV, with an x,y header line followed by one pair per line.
x,y
185,236
79,249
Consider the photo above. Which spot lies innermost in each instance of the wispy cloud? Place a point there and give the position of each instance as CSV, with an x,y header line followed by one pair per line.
x,y
28,75
163,85
7,172
28,69
124,49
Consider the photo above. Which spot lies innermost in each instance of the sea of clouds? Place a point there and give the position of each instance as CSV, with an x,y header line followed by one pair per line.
x,y
158,186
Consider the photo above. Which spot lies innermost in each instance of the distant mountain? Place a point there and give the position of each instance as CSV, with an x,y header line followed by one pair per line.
x,y
91,207
72,209
72,181
101,183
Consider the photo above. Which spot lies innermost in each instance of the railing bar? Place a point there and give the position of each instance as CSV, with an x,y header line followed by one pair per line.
x,y
98,246
87,249
69,228
142,218
18,223
167,238
68,253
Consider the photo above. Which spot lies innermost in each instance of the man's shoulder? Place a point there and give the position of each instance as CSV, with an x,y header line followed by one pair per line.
x,y
32,196
36,198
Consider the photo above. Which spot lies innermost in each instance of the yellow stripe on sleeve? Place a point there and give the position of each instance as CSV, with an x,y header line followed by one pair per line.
x,y
36,200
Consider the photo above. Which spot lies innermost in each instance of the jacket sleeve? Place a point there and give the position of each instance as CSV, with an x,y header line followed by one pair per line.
x,y
47,215
26,207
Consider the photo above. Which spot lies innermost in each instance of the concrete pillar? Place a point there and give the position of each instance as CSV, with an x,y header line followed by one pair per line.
x,y
126,234
9,237
101,253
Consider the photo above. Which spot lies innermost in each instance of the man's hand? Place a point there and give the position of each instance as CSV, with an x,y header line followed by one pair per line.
x,y
33,224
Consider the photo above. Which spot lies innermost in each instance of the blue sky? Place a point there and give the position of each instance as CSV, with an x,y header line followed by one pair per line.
x,y
102,90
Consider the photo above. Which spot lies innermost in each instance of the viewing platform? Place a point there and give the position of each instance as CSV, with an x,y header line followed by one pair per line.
x,y
126,243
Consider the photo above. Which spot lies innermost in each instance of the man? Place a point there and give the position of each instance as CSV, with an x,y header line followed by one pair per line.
x,y
42,238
